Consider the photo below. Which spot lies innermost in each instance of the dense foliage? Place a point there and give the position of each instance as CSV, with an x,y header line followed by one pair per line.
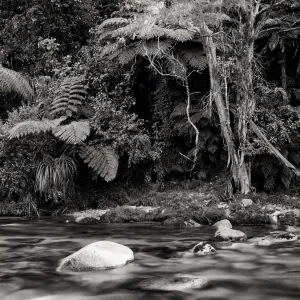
x,y
122,90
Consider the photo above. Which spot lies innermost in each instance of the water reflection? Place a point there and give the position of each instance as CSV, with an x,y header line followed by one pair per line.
x,y
31,250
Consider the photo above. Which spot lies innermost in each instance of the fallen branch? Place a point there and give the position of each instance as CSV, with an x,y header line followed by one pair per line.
x,y
273,150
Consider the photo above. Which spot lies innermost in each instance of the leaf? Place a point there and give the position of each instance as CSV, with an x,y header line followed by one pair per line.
x,y
113,22
74,133
102,160
33,127
13,82
195,58
70,97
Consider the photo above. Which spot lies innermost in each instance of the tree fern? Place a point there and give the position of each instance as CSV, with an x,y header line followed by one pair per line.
x,y
102,160
74,133
70,97
13,82
33,127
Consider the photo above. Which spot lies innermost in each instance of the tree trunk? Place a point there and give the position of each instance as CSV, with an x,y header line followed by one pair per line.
x,y
239,168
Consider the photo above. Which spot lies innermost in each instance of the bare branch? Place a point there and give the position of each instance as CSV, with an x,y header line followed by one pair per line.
x,y
272,149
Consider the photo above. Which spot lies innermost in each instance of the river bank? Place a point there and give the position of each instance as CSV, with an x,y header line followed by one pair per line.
x,y
192,208
184,204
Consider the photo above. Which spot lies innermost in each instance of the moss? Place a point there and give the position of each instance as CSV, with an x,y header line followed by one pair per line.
x,y
288,218
209,215
252,215
125,215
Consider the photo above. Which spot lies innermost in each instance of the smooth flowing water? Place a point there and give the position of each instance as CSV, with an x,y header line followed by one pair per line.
x,y
31,250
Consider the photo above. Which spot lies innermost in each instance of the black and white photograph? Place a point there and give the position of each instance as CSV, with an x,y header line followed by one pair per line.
x,y
149,149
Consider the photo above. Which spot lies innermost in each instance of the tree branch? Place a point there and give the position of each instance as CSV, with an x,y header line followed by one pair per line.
x,y
272,149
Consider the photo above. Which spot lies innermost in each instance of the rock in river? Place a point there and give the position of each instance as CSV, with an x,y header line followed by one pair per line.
x,y
228,234
97,256
172,284
200,249
223,223
285,237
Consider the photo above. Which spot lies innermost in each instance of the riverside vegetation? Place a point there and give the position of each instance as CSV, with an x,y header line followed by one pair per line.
x,y
189,108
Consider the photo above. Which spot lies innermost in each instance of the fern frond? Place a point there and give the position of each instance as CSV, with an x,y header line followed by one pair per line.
x,y
194,58
70,97
154,47
113,22
102,160
33,127
179,35
110,49
127,55
151,32
13,82
74,133
128,31
273,22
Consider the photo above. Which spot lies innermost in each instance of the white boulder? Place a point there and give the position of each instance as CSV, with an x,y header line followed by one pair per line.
x,y
228,234
223,223
97,256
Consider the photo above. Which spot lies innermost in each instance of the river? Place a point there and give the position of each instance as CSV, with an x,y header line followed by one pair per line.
x,y
31,251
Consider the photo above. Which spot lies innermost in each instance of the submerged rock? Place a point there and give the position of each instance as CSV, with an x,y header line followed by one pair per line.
x,y
200,249
87,220
180,222
228,234
172,284
285,237
223,223
292,229
97,256
191,223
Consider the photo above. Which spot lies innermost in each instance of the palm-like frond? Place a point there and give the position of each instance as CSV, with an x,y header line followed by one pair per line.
x,y
70,97
33,127
12,82
113,22
194,58
102,160
74,133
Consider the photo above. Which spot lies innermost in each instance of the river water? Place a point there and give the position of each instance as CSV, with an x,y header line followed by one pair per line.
x,y
30,251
